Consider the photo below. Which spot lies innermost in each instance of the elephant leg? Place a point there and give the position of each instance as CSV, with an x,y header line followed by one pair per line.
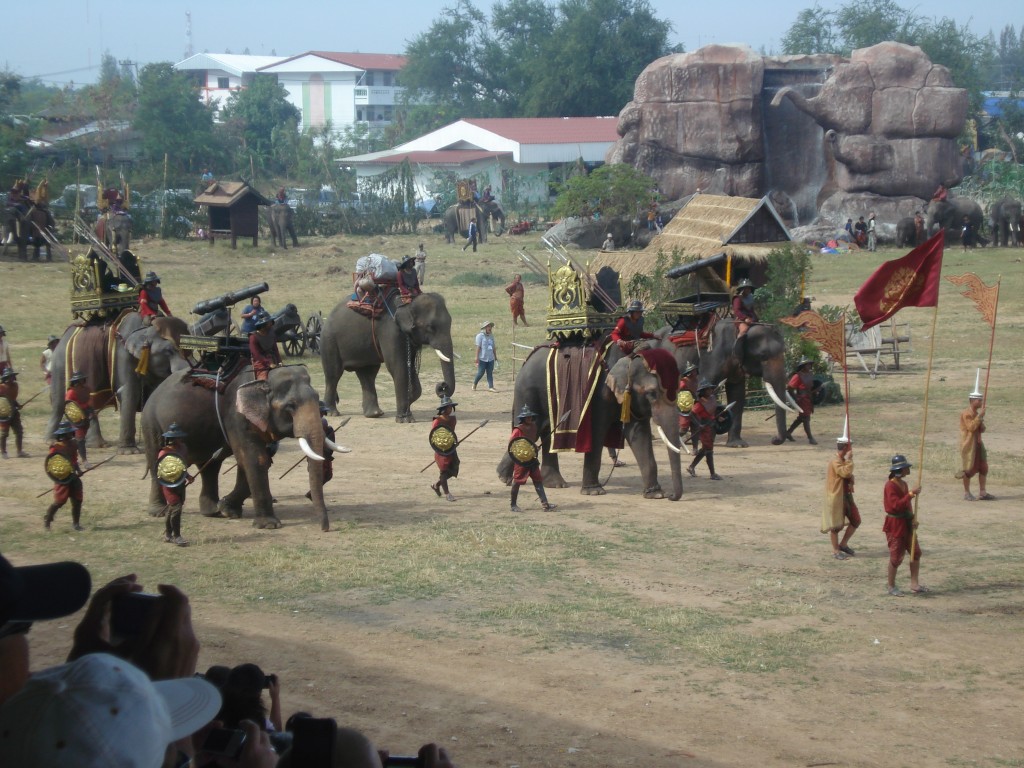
x,y
209,494
592,471
549,470
291,231
94,438
157,506
737,393
639,437
231,505
257,476
129,396
368,382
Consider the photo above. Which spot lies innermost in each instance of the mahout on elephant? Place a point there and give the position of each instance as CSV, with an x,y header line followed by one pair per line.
x,y
588,420
244,418
392,334
280,218
949,215
122,358
1006,221
483,212
27,218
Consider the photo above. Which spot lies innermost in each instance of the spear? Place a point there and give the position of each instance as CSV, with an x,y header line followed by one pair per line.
x,y
208,462
460,442
293,466
37,394
86,472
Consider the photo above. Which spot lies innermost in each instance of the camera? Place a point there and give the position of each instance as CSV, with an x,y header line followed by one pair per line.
x,y
269,680
224,742
129,614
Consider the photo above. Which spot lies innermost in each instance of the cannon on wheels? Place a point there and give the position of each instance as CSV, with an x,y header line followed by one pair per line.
x,y
314,327
290,332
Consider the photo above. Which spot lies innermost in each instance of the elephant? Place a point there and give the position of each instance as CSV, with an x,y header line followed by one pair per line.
x,y
652,407
242,421
950,215
906,232
109,375
21,226
484,212
280,216
351,341
763,354
115,230
1006,219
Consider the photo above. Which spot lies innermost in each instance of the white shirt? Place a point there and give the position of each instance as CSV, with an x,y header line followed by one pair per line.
x,y
485,347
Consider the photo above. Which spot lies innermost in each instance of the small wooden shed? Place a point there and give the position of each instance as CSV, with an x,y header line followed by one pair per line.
x,y
234,210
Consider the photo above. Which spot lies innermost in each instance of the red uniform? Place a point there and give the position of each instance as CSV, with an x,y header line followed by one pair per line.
x,y
263,350
516,294
73,489
79,394
688,383
10,391
704,411
174,495
449,463
523,472
151,301
629,330
899,520
743,311
802,385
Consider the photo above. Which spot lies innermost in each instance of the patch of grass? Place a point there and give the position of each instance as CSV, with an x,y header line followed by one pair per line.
x,y
478,279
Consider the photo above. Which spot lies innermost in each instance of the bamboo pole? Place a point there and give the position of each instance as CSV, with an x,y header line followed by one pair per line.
x,y
991,343
163,203
924,426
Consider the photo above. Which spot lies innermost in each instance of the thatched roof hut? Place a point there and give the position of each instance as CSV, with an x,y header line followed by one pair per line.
x,y
745,228
234,210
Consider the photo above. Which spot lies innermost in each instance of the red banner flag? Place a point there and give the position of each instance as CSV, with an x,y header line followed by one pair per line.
x,y
912,281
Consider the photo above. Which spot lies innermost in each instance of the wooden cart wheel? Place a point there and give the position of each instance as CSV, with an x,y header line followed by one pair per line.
x,y
294,344
314,327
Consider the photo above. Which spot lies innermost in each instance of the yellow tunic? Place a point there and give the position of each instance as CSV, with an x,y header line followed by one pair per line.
x,y
833,515
971,427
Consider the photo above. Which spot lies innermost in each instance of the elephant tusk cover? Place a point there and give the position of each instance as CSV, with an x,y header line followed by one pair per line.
x,y
775,397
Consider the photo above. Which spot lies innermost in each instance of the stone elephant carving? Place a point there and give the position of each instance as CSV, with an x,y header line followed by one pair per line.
x,y
1006,219
351,341
906,232
949,214
485,213
115,230
109,355
653,410
280,216
763,354
244,420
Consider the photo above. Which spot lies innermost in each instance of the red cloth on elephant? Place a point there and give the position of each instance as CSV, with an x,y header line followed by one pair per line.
x,y
572,377
899,520
72,490
802,385
662,363
175,495
451,461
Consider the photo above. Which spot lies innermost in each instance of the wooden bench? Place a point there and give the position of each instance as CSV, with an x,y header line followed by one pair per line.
x,y
889,339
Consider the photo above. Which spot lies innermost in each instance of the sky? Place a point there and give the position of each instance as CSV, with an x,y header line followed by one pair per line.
x,y
71,35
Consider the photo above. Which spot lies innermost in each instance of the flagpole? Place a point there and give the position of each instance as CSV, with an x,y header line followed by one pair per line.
x,y
991,342
924,426
846,380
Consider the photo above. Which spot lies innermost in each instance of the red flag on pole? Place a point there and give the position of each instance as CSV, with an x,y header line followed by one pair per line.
x,y
912,281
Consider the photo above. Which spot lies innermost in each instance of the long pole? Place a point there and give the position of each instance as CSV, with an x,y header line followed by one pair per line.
x,y
163,203
846,380
991,342
924,426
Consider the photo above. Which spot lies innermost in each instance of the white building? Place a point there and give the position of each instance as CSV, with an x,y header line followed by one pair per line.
x,y
219,75
343,88
500,152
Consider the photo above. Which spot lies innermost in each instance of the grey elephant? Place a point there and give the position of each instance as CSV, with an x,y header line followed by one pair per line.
x,y
949,214
906,232
243,421
1005,214
351,341
280,216
20,228
653,410
109,355
115,230
484,212
763,354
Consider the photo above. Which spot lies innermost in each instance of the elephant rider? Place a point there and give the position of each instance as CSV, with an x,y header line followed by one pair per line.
x,y
151,299
703,416
263,346
173,488
743,312
282,197
801,386
447,464
10,412
250,313
940,194
687,386
72,487
78,393
630,328
18,197
408,280
840,509
526,428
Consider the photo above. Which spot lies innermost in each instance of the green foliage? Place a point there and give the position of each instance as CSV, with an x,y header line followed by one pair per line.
x,y
789,269
653,289
13,153
611,190
172,119
252,116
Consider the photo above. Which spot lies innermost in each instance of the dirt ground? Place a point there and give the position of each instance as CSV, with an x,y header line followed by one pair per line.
x,y
714,631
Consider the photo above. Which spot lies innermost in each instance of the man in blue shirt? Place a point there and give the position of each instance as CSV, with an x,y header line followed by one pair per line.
x,y
486,356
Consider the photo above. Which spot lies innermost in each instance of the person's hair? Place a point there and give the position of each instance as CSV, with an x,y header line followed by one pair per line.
x,y
242,694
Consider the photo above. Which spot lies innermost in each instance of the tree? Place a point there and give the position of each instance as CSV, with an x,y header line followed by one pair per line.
x,y
868,22
812,32
611,190
171,118
252,114
13,133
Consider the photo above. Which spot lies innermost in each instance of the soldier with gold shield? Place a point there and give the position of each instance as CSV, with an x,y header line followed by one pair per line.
x,y
445,444
78,411
62,467
685,399
172,474
10,412
522,447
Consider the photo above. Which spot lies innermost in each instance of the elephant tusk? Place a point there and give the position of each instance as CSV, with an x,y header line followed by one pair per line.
x,y
664,439
792,402
304,445
775,398
335,447
442,356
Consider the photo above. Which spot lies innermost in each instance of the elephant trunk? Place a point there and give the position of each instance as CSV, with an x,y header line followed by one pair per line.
x,y
308,426
666,418
447,367
773,372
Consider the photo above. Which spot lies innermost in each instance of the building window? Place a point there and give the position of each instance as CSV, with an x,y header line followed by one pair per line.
x,y
359,115
387,78
223,83
368,78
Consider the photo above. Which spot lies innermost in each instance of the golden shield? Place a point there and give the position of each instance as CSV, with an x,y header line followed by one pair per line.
x,y
59,469
522,451
170,470
684,401
443,440
73,412
6,410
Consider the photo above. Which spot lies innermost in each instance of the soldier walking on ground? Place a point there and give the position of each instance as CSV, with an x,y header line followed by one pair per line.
x,y
703,416
516,301
10,413
899,527
172,473
522,446
801,385
444,442
79,410
973,456
840,509
62,467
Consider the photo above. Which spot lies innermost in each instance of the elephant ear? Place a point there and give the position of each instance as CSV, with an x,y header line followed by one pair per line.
x,y
170,328
617,379
405,320
253,401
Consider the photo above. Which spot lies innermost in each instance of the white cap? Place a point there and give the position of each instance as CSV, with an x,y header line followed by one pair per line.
x,y
101,711
844,439
976,394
